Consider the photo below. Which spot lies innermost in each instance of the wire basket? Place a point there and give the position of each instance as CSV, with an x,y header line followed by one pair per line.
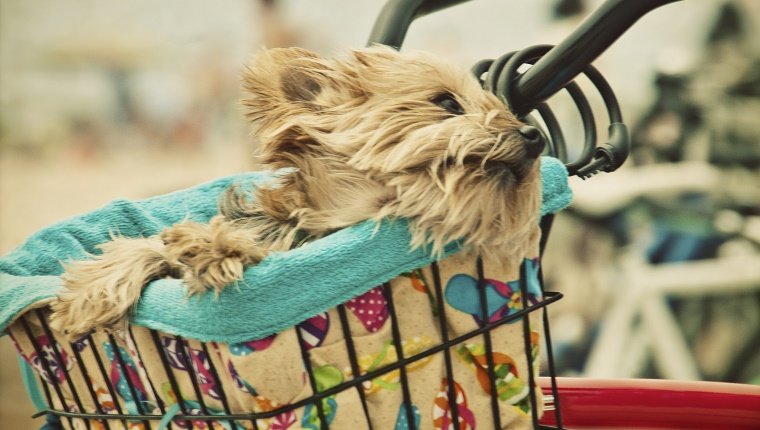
x,y
77,376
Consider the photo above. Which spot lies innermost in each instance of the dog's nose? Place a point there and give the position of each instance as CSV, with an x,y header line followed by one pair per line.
x,y
534,141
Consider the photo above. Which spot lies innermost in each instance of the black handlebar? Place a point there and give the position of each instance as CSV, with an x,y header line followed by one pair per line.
x,y
565,61
397,15
554,70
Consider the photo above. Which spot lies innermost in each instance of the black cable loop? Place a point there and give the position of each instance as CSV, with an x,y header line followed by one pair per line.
x,y
494,72
500,77
506,76
505,87
589,128
493,68
608,96
556,137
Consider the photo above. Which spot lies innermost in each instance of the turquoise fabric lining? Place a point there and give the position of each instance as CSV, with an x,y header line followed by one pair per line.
x,y
283,290
28,376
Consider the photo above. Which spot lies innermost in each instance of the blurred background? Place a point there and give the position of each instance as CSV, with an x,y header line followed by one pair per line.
x,y
658,262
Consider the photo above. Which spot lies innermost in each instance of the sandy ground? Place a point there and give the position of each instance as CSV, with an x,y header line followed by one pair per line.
x,y
36,191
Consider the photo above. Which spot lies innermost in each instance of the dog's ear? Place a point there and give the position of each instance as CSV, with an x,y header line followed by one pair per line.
x,y
377,56
289,92
283,83
295,73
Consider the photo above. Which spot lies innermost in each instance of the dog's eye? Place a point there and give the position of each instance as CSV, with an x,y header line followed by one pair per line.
x,y
449,103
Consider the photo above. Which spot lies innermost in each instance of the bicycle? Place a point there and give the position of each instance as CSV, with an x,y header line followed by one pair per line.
x,y
554,69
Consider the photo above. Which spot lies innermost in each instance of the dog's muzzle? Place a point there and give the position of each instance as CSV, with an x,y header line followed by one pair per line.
x,y
534,141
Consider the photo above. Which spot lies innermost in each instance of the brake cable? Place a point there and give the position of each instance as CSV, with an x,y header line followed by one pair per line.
x,y
500,75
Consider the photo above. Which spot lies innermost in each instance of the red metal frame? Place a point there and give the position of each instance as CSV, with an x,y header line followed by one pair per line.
x,y
654,404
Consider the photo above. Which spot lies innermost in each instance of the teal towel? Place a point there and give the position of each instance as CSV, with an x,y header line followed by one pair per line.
x,y
283,290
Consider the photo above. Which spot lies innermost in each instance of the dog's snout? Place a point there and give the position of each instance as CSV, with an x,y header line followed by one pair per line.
x,y
534,141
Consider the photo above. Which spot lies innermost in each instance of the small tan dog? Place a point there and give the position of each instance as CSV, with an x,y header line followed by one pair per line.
x,y
380,134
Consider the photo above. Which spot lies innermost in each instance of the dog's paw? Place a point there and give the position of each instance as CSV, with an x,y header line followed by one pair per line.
x,y
212,255
81,310
213,273
101,292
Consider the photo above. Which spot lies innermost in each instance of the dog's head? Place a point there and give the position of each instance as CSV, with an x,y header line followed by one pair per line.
x,y
407,134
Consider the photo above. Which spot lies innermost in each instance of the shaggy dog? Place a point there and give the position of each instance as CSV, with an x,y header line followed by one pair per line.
x,y
379,134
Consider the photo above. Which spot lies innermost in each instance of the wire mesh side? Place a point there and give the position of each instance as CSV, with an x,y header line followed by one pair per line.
x,y
359,378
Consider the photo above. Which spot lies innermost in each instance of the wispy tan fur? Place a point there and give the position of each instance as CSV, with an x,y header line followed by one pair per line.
x,y
365,138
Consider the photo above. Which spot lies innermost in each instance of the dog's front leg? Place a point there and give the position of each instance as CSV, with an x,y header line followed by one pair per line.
x,y
212,255
101,291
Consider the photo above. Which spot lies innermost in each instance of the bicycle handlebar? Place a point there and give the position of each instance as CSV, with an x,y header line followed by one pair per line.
x,y
397,15
565,61
554,70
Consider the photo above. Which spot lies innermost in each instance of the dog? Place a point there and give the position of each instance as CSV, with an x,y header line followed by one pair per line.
x,y
375,135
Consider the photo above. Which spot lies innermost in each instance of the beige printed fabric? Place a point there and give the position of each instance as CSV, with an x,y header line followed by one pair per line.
x,y
169,374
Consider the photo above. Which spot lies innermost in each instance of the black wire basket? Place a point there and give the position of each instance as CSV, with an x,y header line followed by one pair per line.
x,y
102,380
